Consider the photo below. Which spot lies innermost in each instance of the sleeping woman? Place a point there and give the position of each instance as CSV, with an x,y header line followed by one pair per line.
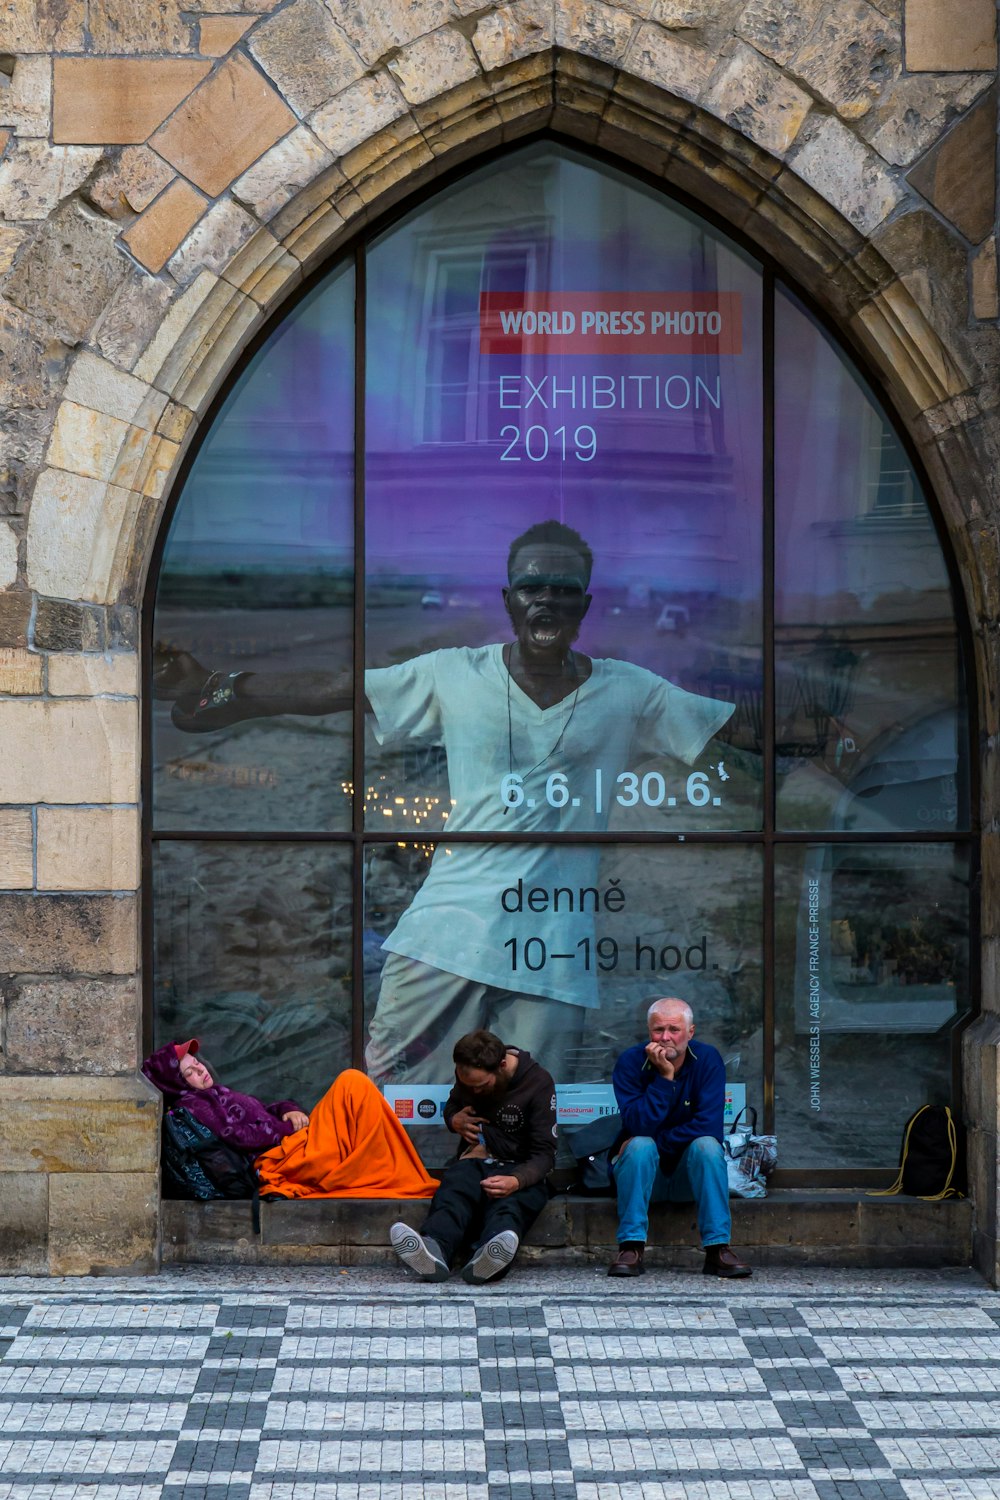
x,y
350,1146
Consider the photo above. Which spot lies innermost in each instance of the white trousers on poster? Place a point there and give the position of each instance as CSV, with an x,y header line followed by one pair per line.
x,y
422,1012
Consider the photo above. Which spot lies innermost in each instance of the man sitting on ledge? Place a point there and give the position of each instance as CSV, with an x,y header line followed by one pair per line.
x,y
672,1099
503,1106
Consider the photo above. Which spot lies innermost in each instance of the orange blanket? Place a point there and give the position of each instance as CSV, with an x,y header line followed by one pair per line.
x,y
353,1147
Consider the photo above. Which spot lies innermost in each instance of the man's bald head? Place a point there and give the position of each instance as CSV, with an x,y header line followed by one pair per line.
x,y
667,1003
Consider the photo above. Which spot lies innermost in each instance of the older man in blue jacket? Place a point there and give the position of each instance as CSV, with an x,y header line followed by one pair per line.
x,y
672,1098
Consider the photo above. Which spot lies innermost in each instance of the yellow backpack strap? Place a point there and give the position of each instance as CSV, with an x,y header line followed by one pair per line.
x,y
897,1186
948,1191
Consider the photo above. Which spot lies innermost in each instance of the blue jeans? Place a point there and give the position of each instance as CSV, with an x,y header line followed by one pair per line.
x,y
699,1177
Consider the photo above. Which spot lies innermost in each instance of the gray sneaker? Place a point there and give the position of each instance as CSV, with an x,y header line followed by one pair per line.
x,y
492,1257
420,1254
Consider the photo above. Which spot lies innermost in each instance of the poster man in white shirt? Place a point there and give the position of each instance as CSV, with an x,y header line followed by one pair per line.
x,y
510,717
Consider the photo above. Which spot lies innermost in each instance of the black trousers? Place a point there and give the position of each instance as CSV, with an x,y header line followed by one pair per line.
x,y
462,1214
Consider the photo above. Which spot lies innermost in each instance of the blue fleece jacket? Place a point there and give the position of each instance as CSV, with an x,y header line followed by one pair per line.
x,y
673,1111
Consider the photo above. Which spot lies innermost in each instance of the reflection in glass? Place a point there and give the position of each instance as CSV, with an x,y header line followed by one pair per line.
x,y
558,948
871,977
257,577
253,957
653,458
869,717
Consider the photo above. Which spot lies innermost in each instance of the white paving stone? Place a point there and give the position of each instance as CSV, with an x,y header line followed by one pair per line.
x,y
292,1386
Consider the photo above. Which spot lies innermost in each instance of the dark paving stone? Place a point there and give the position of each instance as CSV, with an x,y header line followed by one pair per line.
x,y
839,1453
216,1455
819,1413
801,1378
859,1489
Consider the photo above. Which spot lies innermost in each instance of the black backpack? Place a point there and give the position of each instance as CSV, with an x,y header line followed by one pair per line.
x,y
931,1158
195,1164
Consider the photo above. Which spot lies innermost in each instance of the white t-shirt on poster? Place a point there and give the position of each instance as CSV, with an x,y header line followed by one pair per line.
x,y
465,699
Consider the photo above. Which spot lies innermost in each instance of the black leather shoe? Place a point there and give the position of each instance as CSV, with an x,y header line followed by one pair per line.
x,y
721,1260
628,1262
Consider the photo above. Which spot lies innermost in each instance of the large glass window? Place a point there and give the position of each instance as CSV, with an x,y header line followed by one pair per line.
x,y
531,460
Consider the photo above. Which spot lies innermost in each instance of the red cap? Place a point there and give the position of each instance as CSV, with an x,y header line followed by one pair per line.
x,y
183,1048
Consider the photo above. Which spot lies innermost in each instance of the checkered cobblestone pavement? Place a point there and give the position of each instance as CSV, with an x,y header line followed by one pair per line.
x,y
311,1385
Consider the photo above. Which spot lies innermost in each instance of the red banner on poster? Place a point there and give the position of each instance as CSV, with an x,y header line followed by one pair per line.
x,y
610,323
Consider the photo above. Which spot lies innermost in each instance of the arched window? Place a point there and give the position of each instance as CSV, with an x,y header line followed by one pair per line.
x,y
711,742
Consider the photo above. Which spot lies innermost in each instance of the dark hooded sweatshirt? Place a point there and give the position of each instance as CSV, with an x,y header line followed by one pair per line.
x,y
238,1119
520,1128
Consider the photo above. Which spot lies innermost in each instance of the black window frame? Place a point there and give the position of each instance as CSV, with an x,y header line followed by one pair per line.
x,y
768,836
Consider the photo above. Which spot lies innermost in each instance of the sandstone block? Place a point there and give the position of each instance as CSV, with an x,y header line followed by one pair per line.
x,y
100,386
358,113
595,29
433,64
758,100
70,751
175,422
957,174
903,342
108,674
139,26
71,1026
214,241
132,317
86,442
20,671
69,274
42,28
846,173
229,120
256,258
377,31
306,54
518,30
271,280
24,1223
850,58
217,35
16,849
154,237
8,556
68,934
118,100
200,377
916,111
88,849
948,36
778,28
129,182
122,628
35,176
170,329
26,102
281,172
104,1221
660,58
60,626
143,467
15,617
985,302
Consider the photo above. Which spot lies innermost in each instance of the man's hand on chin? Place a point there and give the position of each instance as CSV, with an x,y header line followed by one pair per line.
x,y
499,1187
659,1060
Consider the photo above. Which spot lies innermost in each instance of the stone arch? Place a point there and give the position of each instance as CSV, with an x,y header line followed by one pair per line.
x,y
119,437
743,140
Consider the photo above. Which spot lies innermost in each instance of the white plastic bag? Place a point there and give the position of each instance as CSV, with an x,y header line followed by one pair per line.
x,y
750,1158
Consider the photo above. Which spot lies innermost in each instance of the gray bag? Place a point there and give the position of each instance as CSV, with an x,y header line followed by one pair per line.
x,y
750,1158
591,1146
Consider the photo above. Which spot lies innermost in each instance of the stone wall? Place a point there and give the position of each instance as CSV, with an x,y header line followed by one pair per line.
x,y
170,170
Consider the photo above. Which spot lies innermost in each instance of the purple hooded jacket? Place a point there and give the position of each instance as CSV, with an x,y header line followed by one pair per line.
x,y
238,1119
